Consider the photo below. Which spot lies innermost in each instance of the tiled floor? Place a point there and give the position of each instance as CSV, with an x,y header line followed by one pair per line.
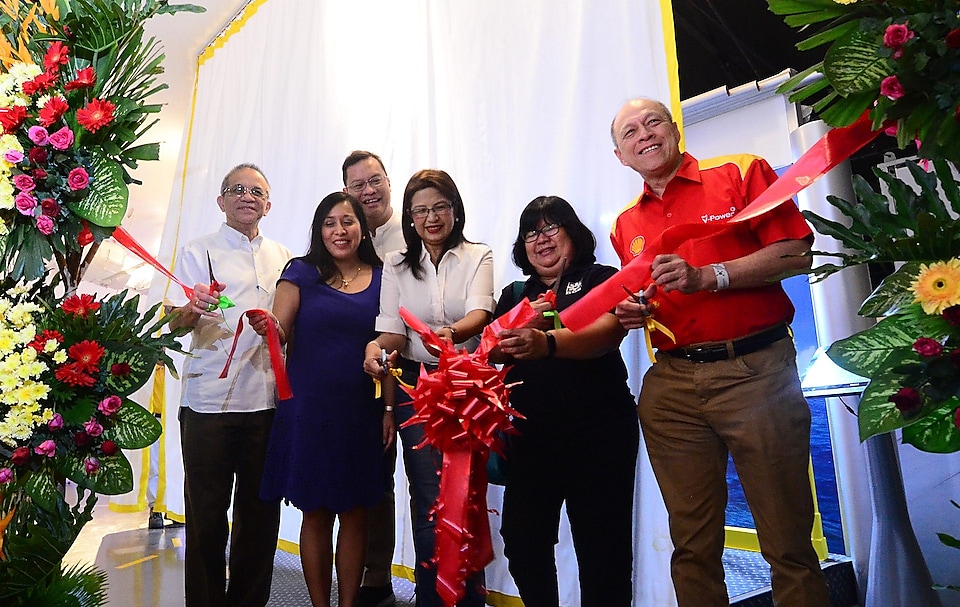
x,y
145,566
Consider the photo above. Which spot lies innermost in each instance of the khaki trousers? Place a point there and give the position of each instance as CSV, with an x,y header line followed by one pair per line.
x,y
693,415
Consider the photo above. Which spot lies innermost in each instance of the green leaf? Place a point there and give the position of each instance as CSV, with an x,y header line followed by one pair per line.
x,y
868,351
876,414
135,427
935,432
892,294
148,151
141,360
852,64
107,202
114,477
949,540
42,490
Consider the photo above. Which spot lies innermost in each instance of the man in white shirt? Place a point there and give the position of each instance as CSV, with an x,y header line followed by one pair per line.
x,y
225,423
365,178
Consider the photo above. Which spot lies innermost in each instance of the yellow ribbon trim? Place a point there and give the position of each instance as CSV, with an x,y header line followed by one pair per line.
x,y
651,325
394,372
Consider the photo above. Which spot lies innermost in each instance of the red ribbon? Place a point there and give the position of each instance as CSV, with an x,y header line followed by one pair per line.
x,y
284,392
829,151
462,406
124,238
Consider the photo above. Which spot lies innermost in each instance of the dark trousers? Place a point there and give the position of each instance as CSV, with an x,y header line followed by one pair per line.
x,y
382,528
592,470
223,455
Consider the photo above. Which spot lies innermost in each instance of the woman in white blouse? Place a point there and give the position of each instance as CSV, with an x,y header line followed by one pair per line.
x,y
447,282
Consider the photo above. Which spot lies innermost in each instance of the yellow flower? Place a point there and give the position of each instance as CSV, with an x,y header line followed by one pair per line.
x,y
845,1
937,287
60,357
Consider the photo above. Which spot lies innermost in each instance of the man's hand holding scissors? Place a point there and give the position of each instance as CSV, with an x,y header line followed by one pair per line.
x,y
633,311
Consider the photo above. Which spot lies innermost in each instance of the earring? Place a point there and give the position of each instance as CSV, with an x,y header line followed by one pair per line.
x,y
456,220
411,224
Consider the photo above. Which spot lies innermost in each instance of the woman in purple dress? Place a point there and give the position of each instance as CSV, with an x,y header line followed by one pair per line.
x,y
325,453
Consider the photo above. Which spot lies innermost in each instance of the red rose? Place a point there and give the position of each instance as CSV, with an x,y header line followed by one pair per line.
x,y
39,174
891,88
952,315
20,456
38,155
953,38
120,369
81,439
897,35
928,348
109,447
906,399
85,236
49,207
956,418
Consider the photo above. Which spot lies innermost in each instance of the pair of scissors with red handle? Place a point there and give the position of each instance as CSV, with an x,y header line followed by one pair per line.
x,y
225,301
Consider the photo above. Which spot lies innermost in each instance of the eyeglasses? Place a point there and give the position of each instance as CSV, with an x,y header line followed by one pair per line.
x,y
239,190
548,230
374,182
441,208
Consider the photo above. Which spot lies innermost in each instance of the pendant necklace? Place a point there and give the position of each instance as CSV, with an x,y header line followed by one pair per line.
x,y
344,283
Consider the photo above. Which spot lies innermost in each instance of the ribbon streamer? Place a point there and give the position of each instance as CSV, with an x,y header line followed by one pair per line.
x,y
829,151
128,241
650,325
284,392
463,407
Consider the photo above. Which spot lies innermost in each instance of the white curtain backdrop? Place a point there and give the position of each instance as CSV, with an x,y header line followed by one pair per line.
x,y
513,99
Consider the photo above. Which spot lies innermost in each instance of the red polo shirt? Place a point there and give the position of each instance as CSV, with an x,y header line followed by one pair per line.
x,y
713,190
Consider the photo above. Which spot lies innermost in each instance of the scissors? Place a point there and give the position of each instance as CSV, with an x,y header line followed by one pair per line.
x,y
217,286
637,298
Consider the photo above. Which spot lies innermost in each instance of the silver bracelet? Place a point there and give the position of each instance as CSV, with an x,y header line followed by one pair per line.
x,y
388,408
723,277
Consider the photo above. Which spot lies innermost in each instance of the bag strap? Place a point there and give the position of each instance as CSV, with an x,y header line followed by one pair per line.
x,y
517,290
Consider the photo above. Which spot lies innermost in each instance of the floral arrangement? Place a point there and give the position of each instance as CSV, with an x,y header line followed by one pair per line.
x,y
897,59
912,355
72,108
67,372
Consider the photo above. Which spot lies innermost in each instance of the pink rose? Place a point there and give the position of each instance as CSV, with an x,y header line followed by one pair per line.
x,y
38,135
6,475
93,427
56,422
24,182
25,203
906,399
47,448
49,207
78,179
927,347
897,35
110,405
892,129
62,139
91,465
45,225
12,156
891,88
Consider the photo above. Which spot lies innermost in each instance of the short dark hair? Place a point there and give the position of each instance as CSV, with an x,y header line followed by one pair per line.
x,y
553,209
318,255
359,156
243,165
443,183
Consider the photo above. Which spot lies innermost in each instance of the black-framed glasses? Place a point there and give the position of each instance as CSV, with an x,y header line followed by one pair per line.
x,y
374,182
441,208
548,230
239,190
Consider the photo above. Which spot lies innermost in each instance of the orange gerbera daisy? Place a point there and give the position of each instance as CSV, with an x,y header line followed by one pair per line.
x,y
937,287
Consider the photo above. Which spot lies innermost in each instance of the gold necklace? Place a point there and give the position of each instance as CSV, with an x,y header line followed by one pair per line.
x,y
344,283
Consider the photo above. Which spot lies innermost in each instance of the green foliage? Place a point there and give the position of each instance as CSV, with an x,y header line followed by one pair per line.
x,y
857,62
918,227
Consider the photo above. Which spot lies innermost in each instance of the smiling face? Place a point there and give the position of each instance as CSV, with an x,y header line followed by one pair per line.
x,y
432,215
244,211
551,255
375,199
341,232
647,140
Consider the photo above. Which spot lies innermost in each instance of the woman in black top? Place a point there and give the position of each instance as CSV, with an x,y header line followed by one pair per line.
x,y
578,441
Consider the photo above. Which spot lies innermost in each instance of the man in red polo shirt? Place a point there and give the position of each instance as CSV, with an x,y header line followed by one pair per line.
x,y
729,384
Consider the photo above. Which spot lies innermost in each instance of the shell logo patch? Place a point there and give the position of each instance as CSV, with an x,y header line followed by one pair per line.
x,y
636,245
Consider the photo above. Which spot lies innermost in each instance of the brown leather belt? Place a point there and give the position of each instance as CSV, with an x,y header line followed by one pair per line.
x,y
725,350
